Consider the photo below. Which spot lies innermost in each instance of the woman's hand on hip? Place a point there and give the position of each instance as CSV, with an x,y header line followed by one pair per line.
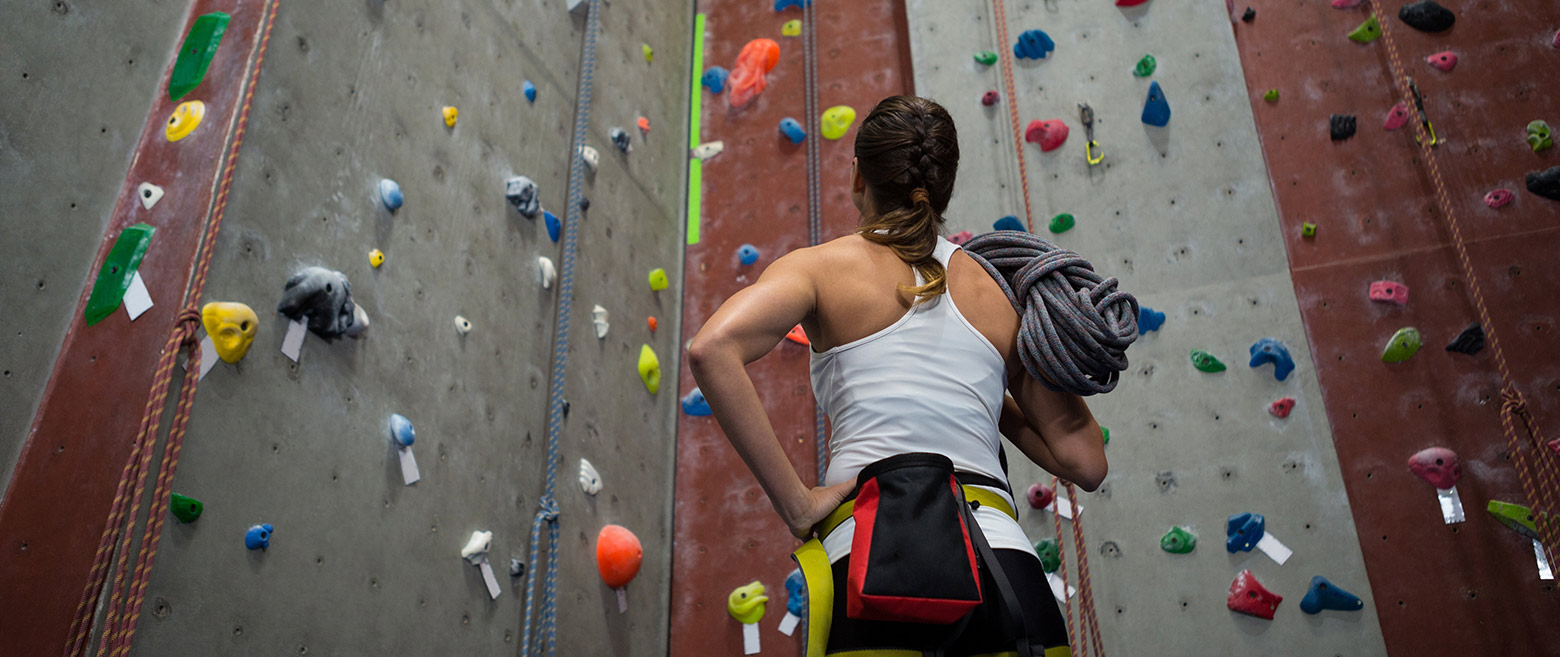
x,y
815,506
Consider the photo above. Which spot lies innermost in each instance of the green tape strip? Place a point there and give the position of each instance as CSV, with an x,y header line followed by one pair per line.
x,y
695,167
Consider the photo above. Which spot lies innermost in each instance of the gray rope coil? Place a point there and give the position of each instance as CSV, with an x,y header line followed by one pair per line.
x,y
1075,325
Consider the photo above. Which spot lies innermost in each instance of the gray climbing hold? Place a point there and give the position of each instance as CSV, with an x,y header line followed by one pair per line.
x,y
524,195
325,298
620,139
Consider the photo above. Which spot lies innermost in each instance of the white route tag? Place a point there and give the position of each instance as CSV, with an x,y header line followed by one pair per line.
x,y
137,299
208,356
1275,549
1065,507
487,578
1056,588
1544,572
788,623
1451,505
750,638
408,465
292,343
622,596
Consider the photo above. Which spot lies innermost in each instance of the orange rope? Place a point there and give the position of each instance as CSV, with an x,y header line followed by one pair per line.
x,y
1088,626
1012,105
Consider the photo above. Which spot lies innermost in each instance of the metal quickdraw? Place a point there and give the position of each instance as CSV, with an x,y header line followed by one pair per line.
x,y
1419,104
1090,147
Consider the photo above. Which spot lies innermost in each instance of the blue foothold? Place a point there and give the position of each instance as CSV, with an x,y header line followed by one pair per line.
x,y
1149,320
1156,110
1033,44
792,130
401,430
554,226
1269,350
795,593
390,193
530,91
694,404
714,79
258,537
747,253
1326,595
1243,530
782,5
1009,222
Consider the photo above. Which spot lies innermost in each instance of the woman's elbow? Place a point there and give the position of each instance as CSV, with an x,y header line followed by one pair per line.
x,y
1089,476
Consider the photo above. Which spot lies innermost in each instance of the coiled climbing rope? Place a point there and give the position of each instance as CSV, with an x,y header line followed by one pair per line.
x,y
1075,325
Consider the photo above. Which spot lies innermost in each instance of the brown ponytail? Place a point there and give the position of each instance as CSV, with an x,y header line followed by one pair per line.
x,y
908,152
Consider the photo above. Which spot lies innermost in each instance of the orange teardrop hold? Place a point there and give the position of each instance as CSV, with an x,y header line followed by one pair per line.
x,y
618,555
747,80
644,125
798,336
651,322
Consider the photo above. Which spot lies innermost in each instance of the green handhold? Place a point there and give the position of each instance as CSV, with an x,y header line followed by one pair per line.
x,y
1178,541
1539,136
1271,96
1368,31
1062,223
986,58
118,268
1050,555
1205,361
200,45
1403,345
186,509
1106,431
1308,229
1145,66
1514,516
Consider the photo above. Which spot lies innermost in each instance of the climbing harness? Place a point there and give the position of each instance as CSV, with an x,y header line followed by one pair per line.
x,y
1090,147
125,598
1012,104
814,198
1424,119
1537,467
547,507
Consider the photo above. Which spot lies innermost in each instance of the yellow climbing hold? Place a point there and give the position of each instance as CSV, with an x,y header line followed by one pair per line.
x,y
791,28
836,121
376,258
746,603
185,119
450,114
658,280
649,369
649,52
231,327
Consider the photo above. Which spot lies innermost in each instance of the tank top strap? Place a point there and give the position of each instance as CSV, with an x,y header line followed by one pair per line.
x,y
944,250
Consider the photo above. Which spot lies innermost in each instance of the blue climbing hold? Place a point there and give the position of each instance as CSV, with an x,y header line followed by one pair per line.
x,y
714,79
1156,110
747,253
258,537
554,226
795,594
792,130
694,404
1243,530
401,430
1149,319
1033,44
390,194
1269,350
1009,222
782,5
530,91
1326,595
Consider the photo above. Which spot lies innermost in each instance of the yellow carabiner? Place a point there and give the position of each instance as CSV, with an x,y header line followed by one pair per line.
x,y
1433,139
1088,152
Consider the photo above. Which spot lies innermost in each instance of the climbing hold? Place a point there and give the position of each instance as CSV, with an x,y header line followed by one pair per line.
x,y
798,335
1247,596
1049,134
1033,44
792,130
1009,222
1145,66
376,258
961,237
516,568
186,509
231,327
618,555
1129,3
1397,117
1105,433
791,28
1469,342
451,114
1205,362
1308,229
658,280
325,298
1437,466
989,98
1545,183
1499,198
1556,41
695,404
476,548
746,603
1325,595
1156,109
1539,136
781,5
462,325
523,193
795,593
1271,96
1346,4
402,431
649,369
836,121
1368,31
1281,408
1249,15
185,119
598,318
390,194
118,269
747,254
754,62
149,194
1050,555
648,51
1149,320
707,150
985,58
1178,541
548,272
620,139
1040,496
1403,345
529,90
1341,126
1389,291
1446,60
643,124
1515,517
592,159
1061,223
651,323
258,537
1427,16
1243,531
554,226
200,45
590,480
714,79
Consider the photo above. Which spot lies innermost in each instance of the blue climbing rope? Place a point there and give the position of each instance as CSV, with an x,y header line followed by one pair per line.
x,y
547,511
814,195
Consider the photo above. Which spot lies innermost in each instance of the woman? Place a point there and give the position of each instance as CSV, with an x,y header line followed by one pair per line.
x,y
901,368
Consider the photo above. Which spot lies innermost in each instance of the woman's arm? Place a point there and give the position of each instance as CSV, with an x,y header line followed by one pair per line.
x,y
745,328
1056,431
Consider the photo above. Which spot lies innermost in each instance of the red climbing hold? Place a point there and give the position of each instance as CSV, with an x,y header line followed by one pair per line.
x,y
989,98
1438,466
1129,3
1040,496
1554,446
961,237
1281,408
1445,61
1499,198
1049,134
1389,291
798,336
652,323
747,79
1556,42
1396,118
1346,4
1247,596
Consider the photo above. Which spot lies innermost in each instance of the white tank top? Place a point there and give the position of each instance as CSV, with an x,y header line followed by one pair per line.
x,y
929,382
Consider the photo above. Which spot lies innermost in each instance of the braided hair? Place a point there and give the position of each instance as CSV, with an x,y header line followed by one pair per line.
x,y
907,151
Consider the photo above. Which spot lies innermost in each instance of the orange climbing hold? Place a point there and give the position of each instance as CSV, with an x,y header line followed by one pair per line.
x,y
618,554
644,125
747,80
798,336
651,322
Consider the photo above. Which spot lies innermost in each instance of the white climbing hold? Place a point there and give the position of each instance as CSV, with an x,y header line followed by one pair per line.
x,y
590,480
462,325
598,316
591,156
476,549
149,194
708,150
548,271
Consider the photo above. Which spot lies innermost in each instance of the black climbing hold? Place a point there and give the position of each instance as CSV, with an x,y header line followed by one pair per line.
x,y
323,298
584,204
1341,126
516,568
1427,16
1545,183
566,408
1250,15
1470,341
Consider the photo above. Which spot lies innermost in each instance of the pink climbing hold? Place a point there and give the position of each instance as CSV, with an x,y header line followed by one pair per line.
x,y
1445,61
1248,596
1554,446
1499,198
961,237
1040,496
1437,466
1396,118
1389,291
989,98
1556,42
1281,408
1049,134
1129,3
1346,4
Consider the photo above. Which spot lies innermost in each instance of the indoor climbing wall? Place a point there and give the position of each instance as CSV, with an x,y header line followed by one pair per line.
x,y
461,341
1183,214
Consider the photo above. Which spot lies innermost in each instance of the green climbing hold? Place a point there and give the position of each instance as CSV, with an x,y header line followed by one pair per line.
x,y
1145,66
1539,136
1050,555
1403,345
1062,223
117,271
1178,541
1271,96
1308,229
1514,516
1368,31
186,509
1205,361
985,58
1106,431
200,45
